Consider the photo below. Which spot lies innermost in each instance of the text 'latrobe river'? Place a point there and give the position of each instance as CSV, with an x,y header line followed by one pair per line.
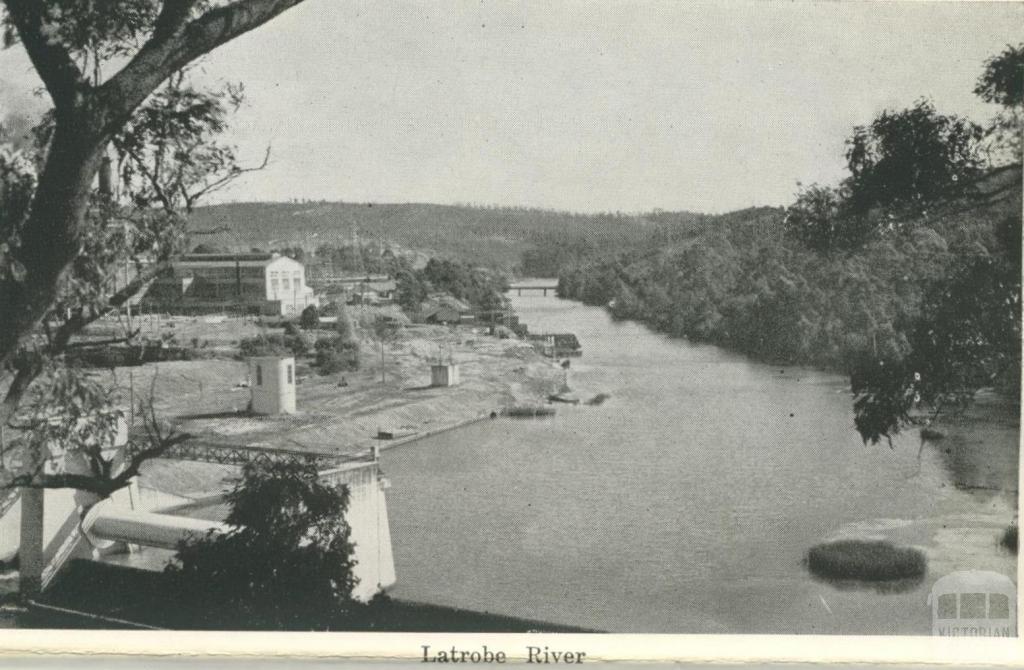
x,y
485,655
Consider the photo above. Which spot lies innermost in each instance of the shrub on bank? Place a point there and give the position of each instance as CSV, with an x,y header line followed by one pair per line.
x,y
343,326
310,318
273,345
867,560
1009,538
148,351
336,354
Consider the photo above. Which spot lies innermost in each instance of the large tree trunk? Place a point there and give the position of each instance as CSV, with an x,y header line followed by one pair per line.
x,y
51,238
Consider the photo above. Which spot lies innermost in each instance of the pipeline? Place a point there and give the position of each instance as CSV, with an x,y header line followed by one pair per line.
x,y
106,523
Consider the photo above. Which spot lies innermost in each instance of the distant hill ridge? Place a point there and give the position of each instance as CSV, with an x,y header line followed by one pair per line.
x,y
494,236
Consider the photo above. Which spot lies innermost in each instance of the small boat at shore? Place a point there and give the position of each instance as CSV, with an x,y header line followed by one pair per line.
x,y
394,433
564,398
529,411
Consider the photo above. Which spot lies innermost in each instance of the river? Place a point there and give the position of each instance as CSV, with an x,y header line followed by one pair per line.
x,y
686,502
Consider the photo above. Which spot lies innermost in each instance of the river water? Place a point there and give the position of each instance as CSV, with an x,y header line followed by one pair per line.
x,y
686,502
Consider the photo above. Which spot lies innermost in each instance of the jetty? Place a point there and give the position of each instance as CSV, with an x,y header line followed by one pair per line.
x,y
556,345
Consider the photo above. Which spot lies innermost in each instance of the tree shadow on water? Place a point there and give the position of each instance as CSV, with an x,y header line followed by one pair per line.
x,y
885,587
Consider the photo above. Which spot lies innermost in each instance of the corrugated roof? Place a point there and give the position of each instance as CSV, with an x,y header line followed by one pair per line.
x,y
229,260
229,257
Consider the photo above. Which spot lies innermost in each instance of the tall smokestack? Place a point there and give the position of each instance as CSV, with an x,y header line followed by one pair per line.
x,y
106,177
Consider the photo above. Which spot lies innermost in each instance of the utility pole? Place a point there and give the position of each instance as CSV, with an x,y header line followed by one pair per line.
x,y
30,549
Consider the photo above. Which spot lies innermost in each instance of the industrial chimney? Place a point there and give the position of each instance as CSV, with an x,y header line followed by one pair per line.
x,y
106,177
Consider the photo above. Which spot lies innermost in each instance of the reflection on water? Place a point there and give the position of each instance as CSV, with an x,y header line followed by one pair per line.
x,y
977,459
889,586
685,502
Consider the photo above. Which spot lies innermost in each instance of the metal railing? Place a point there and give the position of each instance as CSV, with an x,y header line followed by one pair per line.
x,y
241,455
8,500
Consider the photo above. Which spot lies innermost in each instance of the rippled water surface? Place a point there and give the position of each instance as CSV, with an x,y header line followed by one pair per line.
x,y
688,500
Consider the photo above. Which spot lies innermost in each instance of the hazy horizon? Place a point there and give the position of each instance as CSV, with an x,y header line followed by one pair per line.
x,y
472,205
580,107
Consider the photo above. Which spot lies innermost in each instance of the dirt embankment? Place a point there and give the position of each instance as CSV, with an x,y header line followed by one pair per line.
x,y
392,393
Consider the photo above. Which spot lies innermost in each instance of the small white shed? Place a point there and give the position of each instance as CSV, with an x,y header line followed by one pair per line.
x,y
444,374
272,380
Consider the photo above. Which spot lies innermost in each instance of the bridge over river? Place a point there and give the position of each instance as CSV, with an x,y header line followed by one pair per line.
x,y
537,285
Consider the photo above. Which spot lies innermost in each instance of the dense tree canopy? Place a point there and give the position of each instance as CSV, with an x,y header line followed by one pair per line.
x,y
910,157
1002,81
815,219
477,286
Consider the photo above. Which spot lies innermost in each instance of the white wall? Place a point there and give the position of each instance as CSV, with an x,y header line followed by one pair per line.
x,y
444,375
295,298
272,385
371,534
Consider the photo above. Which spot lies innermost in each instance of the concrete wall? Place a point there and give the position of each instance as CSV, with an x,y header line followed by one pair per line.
x,y
272,382
368,518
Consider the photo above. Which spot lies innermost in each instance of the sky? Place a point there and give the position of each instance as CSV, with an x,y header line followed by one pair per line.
x,y
585,106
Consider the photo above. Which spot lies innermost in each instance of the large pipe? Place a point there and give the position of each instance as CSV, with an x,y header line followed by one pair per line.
x,y
106,523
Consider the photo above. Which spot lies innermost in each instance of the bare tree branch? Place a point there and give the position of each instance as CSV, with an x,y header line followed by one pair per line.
x,y
177,43
153,179
27,370
99,481
75,324
102,343
218,184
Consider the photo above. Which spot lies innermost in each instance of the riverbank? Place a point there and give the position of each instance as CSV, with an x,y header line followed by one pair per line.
x,y
388,394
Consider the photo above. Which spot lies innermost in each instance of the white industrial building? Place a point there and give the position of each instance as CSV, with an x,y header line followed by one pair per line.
x,y
260,283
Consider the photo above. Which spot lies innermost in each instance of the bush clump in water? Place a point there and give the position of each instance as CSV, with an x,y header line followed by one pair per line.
x,y
865,560
1009,539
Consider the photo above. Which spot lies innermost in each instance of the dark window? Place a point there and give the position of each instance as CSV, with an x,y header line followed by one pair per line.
x,y
947,606
289,374
259,375
998,606
972,605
